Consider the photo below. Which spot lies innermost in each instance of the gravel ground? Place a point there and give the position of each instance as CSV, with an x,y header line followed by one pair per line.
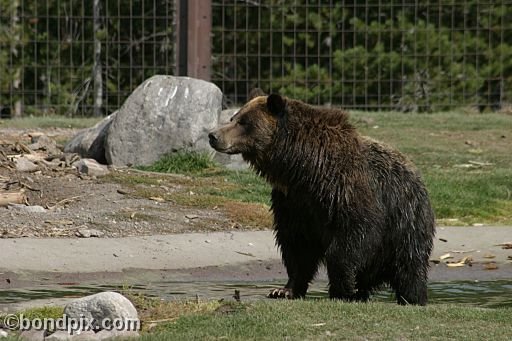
x,y
76,202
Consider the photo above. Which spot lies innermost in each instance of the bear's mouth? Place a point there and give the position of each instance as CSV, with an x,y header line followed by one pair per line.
x,y
229,150
221,149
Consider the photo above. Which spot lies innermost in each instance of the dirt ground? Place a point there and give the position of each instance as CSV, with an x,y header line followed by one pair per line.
x,y
76,202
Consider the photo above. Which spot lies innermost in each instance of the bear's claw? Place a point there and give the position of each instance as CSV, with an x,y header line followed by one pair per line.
x,y
281,293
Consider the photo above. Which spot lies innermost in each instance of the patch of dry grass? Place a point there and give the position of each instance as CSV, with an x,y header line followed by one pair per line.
x,y
214,190
154,311
257,216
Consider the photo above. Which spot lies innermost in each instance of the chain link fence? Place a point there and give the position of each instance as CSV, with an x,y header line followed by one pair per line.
x,y
79,57
84,57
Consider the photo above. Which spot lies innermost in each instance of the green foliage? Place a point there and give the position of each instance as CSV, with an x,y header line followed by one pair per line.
x,y
184,162
426,57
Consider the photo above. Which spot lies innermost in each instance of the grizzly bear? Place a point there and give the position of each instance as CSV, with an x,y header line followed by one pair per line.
x,y
339,199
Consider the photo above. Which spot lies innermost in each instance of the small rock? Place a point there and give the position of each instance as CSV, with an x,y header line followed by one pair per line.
x,y
32,335
81,335
90,143
59,335
91,167
86,335
28,209
490,266
25,165
43,142
99,307
117,334
88,233
3,333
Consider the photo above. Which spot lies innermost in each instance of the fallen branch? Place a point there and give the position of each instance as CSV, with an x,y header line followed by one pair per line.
x,y
169,175
25,185
505,245
22,147
161,321
478,163
64,201
11,198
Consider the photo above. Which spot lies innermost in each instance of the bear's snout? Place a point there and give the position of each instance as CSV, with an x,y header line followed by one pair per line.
x,y
213,139
224,139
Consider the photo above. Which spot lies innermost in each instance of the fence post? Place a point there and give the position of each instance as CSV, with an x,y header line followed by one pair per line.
x,y
181,37
193,50
199,39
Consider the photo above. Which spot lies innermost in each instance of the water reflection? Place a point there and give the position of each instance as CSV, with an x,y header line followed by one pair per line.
x,y
490,294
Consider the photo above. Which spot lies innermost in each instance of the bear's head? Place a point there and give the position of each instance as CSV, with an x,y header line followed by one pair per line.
x,y
251,130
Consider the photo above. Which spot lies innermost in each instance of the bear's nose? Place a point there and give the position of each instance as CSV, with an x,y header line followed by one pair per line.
x,y
213,138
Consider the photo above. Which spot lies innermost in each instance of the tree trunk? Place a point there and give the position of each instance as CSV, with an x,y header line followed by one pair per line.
x,y
97,77
15,43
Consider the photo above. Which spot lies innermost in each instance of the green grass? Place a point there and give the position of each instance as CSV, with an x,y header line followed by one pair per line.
x,y
48,312
310,319
39,312
316,318
249,186
49,122
447,148
216,181
324,319
181,162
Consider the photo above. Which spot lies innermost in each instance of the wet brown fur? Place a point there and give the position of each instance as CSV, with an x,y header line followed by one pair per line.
x,y
338,198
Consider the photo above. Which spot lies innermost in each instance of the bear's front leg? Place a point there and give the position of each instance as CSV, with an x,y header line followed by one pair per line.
x,y
281,293
301,265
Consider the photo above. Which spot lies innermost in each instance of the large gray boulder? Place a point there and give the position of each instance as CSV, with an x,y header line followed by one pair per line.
x,y
90,143
103,309
164,114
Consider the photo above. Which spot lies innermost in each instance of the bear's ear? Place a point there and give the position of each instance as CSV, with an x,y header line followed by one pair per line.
x,y
256,92
276,105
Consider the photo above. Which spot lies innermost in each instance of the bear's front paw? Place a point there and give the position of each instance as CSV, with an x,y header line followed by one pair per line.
x,y
281,293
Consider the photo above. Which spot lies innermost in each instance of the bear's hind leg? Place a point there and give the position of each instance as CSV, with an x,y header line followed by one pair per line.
x,y
412,293
342,279
362,295
411,286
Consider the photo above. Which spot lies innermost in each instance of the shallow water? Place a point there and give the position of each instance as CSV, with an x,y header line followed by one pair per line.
x,y
490,294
